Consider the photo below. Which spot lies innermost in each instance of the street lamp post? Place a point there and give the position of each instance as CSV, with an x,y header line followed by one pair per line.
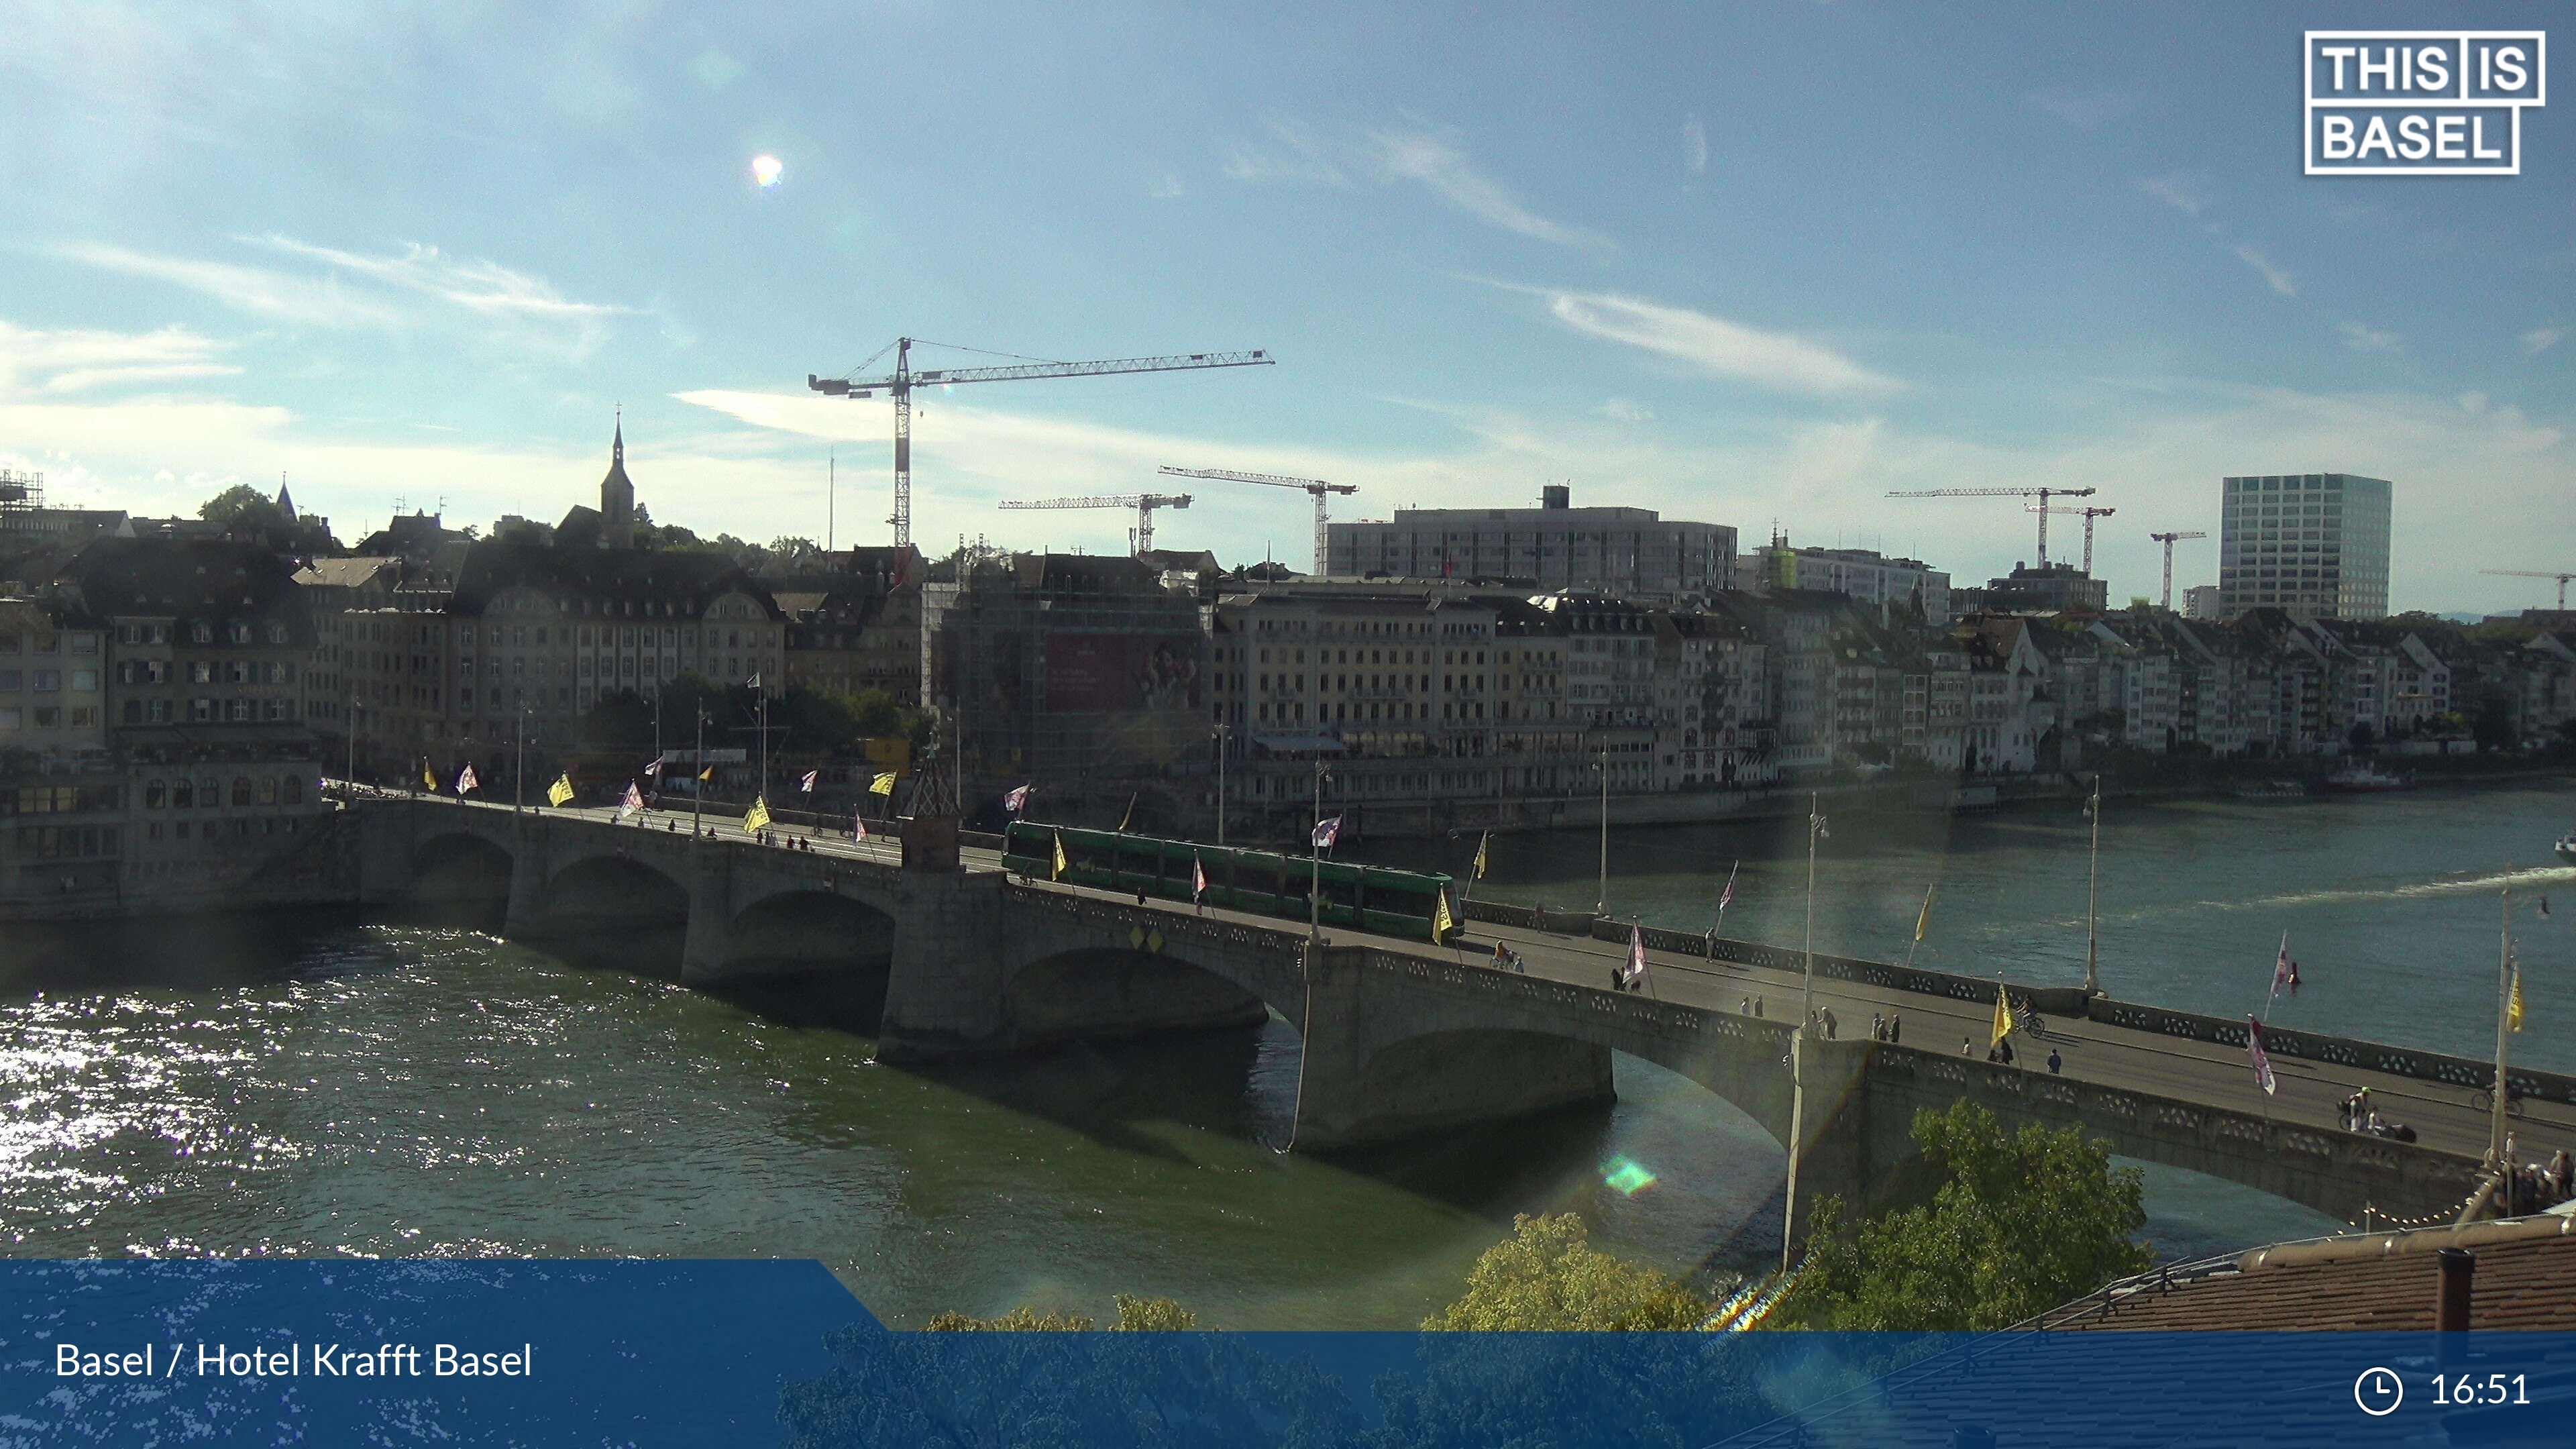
x,y
2093,897
1798,1036
1315,851
351,780
1601,896
698,783
519,772
1221,733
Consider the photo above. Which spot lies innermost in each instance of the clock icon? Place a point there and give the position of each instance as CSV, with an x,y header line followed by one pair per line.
x,y
2378,1392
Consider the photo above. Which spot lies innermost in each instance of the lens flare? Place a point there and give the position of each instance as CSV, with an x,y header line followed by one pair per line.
x,y
1626,1176
766,170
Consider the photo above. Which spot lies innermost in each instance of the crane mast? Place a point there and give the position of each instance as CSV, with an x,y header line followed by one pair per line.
x,y
2167,539
2089,514
1316,487
898,386
2042,494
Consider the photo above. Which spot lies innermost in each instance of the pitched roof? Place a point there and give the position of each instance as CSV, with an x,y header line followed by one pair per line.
x,y
2377,1281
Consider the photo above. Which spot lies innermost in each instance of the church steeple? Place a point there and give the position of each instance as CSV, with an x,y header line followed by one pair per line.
x,y
617,494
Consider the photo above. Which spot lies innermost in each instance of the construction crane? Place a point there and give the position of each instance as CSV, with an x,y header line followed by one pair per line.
x,y
899,384
2167,539
2042,494
2537,574
1143,503
2089,514
1315,486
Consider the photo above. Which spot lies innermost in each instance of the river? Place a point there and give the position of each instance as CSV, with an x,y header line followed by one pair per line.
x,y
336,1087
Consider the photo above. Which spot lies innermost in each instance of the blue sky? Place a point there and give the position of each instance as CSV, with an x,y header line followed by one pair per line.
x,y
1745,263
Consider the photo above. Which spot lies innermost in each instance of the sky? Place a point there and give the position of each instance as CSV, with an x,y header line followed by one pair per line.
x,y
1756,264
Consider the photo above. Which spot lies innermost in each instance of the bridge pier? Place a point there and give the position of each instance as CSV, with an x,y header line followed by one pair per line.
x,y
1353,1092
944,991
527,909
708,944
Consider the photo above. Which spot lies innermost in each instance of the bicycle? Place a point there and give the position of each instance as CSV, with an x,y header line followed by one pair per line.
x,y
2483,1100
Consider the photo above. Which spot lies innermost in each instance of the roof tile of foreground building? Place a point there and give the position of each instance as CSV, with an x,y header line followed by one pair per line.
x,y
2380,1282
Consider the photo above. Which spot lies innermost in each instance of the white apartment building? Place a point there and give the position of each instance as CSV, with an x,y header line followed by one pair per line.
x,y
2312,544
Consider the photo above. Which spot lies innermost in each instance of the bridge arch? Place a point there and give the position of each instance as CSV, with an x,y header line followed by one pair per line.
x,y
463,873
1127,989
609,892
792,931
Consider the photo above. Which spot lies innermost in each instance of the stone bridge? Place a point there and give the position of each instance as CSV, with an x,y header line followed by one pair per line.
x,y
1399,1038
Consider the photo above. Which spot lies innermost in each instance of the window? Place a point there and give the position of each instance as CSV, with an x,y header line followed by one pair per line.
x,y
181,796
291,789
156,793
209,793
85,681
268,789
49,717
241,789
49,681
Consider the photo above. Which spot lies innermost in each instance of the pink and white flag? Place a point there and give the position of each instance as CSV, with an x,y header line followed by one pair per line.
x,y
807,784
1328,831
1017,800
858,826
654,770
633,802
1198,877
1726,897
1634,972
2262,1058
465,780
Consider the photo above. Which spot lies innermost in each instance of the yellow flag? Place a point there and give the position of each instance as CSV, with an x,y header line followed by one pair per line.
x,y
2003,1017
1480,853
426,778
1924,919
2513,1005
882,784
756,818
561,790
1059,857
1441,922
706,774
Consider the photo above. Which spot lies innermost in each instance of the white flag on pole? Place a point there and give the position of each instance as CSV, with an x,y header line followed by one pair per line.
x,y
1328,831
2262,1058
633,801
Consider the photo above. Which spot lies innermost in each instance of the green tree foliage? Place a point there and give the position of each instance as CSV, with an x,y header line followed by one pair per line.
x,y
2019,1224
1546,1275
789,555
241,504
1135,1315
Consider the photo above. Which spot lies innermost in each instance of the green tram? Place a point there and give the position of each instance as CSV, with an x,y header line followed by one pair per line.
x,y
1262,882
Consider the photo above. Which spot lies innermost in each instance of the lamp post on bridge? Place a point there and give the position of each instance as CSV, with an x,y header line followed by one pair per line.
x,y
519,771
1315,853
2093,897
351,779
1798,1035
1222,732
698,781
1601,896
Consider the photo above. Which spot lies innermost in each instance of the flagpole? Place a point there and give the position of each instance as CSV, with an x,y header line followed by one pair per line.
x,y
1601,901
1919,922
698,786
1798,1038
1315,852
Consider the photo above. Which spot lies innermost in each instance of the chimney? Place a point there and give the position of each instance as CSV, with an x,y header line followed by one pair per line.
x,y
2458,1266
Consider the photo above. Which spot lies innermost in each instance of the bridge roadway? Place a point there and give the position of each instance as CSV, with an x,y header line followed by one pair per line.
x,y
2123,1061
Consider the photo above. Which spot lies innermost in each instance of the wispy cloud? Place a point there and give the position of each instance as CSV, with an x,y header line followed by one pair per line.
x,y
1694,146
1622,410
2369,339
278,296
2273,272
2540,339
2182,191
1436,161
1292,154
1713,345
70,361
2084,110
477,285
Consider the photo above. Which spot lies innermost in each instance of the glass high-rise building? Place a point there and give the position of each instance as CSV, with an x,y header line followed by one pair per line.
x,y
2315,544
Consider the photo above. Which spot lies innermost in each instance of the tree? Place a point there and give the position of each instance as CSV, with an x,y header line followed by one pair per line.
x,y
1547,1276
1135,1315
793,555
2362,735
2019,1224
241,506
